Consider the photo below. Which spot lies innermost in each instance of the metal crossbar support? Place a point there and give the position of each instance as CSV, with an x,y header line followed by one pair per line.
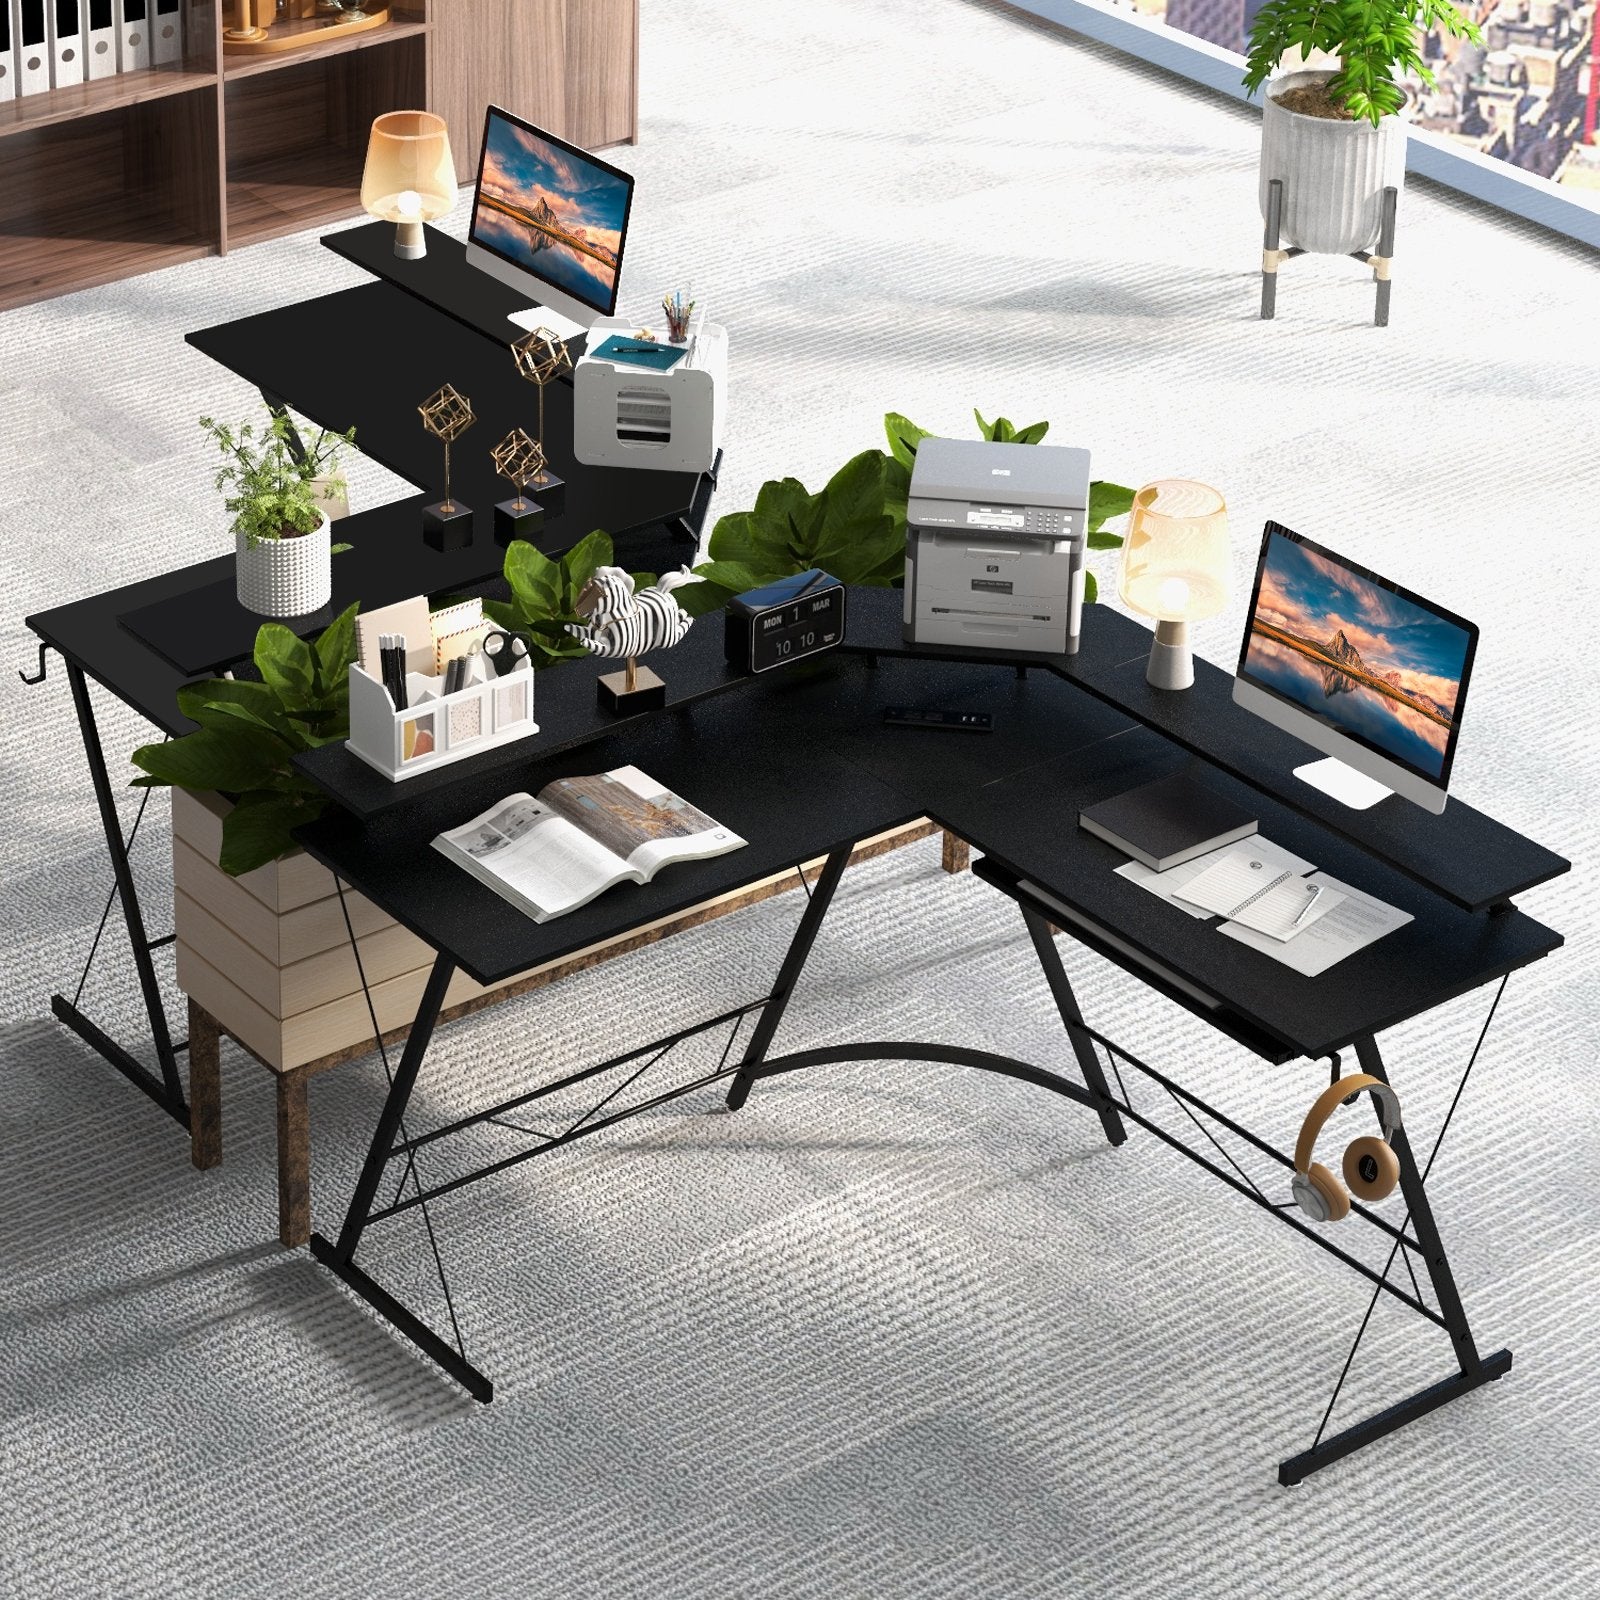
x,y
788,975
167,1088
394,1109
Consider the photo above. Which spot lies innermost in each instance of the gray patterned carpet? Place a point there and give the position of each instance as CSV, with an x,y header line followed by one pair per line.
x,y
891,1331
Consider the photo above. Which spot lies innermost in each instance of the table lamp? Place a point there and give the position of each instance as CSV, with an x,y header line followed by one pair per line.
x,y
1175,569
410,177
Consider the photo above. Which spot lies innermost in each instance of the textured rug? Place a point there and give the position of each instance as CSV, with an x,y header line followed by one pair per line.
x,y
893,1330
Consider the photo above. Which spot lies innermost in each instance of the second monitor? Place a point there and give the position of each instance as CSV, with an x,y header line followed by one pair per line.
x,y
1358,667
551,220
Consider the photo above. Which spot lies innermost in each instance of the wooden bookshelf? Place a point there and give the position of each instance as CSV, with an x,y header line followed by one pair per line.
x,y
104,180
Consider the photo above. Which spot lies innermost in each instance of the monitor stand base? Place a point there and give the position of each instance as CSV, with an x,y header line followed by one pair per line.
x,y
1341,781
564,328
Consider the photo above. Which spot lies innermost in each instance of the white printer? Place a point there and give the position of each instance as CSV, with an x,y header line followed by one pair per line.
x,y
625,415
995,538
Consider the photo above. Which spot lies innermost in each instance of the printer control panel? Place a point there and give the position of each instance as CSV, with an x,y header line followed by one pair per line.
x,y
1036,522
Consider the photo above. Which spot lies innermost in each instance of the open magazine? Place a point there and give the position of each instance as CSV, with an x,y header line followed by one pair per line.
x,y
555,851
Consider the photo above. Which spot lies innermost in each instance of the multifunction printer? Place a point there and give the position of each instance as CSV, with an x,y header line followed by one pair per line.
x,y
995,537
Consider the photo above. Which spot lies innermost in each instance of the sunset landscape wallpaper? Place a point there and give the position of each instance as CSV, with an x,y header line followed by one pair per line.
x,y
1355,655
552,212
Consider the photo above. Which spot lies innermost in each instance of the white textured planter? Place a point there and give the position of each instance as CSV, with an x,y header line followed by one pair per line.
x,y
285,577
1334,173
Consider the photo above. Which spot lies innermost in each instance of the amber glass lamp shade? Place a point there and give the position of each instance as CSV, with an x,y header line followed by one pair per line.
x,y
410,176
1175,569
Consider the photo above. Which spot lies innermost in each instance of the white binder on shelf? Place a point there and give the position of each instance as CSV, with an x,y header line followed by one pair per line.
x,y
133,35
100,38
31,46
8,62
166,32
65,29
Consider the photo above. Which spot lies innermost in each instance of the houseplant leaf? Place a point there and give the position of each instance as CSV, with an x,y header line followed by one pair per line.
x,y
335,648
1108,500
286,664
582,561
904,436
213,758
256,830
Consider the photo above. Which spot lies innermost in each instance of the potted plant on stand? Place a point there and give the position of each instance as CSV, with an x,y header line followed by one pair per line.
x,y
276,495
1333,146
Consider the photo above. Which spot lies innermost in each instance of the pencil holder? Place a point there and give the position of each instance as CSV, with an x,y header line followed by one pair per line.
x,y
436,729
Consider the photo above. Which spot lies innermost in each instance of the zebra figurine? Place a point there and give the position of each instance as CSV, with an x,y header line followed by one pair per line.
x,y
622,625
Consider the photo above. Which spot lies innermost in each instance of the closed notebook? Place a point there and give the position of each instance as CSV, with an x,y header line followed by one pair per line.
x,y
1165,823
636,353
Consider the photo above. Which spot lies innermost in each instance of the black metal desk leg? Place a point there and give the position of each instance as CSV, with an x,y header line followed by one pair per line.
x,y
167,1092
394,1109
1055,975
788,975
1474,1370
1423,1225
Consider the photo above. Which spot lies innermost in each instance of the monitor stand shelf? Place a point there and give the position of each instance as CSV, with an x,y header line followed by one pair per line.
x,y
444,280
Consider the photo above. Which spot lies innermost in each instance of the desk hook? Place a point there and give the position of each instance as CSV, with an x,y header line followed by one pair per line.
x,y
44,668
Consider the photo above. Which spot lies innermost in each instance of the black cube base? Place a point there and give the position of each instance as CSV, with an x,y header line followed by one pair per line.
x,y
517,520
447,525
649,693
549,490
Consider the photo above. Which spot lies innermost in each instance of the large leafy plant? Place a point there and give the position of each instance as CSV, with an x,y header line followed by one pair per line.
x,y
1376,41
544,596
854,526
250,732
267,488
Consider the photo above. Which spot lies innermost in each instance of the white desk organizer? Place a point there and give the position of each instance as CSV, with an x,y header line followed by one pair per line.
x,y
440,729
629,416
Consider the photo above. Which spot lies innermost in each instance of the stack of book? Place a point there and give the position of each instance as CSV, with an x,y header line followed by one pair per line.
x,y
52,44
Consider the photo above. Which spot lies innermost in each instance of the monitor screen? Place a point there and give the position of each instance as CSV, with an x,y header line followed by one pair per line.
x,y
1363,656
552,209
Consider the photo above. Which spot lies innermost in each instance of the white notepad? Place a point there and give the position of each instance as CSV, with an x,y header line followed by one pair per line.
x,y
1256,889
1165,885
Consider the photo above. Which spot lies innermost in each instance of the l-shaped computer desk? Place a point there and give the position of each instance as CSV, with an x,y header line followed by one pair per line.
x,y
799,764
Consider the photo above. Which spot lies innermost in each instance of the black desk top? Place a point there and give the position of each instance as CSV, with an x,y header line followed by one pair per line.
x,y
442,279
366,355
800,764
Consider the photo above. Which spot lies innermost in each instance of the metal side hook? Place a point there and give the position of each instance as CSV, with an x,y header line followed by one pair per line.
x,y
44,668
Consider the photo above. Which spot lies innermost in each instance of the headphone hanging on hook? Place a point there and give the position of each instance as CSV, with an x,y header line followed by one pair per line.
x,y
1371,1168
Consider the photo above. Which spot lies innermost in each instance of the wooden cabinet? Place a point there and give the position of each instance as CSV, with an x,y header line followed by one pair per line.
x,y
571,66
215,150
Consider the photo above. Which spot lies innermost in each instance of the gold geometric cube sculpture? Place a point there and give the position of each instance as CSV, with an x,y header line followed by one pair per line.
x,y
447,415
518,458
541,358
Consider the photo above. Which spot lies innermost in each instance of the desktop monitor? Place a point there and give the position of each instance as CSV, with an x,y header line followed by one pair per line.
x,y
1357,667
549,219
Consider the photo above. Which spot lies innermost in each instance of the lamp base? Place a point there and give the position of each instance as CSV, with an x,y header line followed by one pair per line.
x,y
410,242
514,519
548,489
649,693
1171,665
447,525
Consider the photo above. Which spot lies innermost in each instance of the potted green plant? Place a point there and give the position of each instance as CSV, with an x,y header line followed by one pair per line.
x,y
276,497
1333,136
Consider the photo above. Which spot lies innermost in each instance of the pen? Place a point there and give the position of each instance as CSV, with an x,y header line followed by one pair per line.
x,y
1316,894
